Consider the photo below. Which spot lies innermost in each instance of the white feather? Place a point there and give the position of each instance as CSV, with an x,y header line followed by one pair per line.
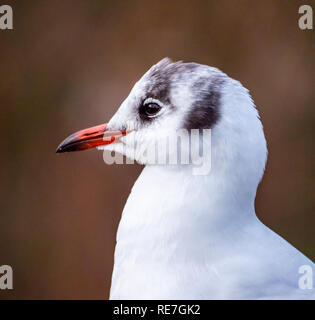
x,y
183,236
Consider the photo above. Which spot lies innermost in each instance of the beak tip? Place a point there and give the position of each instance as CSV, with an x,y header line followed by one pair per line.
x,y
60,149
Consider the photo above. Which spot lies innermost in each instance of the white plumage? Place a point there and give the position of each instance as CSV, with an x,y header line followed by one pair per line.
x,y
183,236
187,236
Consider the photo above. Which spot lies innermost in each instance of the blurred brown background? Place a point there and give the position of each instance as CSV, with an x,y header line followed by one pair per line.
x,y
68,65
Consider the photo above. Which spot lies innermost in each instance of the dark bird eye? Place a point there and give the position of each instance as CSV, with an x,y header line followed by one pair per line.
x,y
149,109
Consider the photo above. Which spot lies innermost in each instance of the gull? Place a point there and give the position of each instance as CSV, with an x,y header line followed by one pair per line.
x,y
195,236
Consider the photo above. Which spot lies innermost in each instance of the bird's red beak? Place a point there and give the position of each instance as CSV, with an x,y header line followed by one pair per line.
x,y
90,138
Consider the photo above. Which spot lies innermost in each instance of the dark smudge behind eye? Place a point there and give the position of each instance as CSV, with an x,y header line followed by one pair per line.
x,y
205,111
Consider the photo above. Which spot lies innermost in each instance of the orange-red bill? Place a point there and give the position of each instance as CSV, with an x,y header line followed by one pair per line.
x,y
90,138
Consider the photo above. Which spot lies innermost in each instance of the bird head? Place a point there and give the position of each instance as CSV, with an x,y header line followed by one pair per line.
x,y
174,99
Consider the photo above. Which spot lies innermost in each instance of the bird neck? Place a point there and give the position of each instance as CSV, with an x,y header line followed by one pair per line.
x,y
168,202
